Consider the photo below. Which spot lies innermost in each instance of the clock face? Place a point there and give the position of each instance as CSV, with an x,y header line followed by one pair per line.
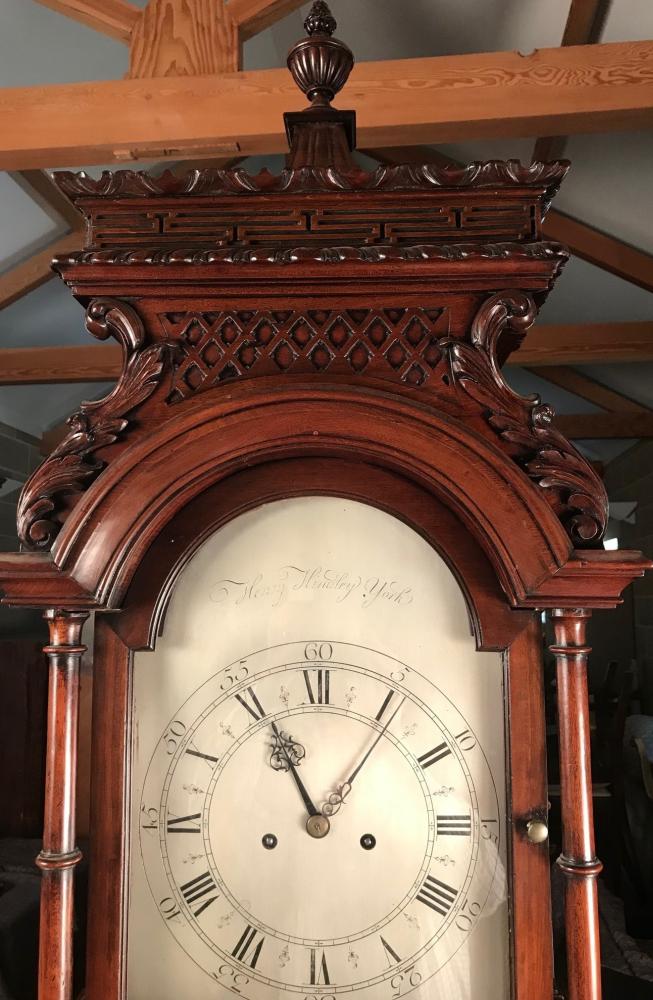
x,y
322,813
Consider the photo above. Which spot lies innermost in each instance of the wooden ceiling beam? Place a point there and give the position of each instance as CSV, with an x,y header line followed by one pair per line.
x,y
544,345
39,185
189,38
591,88
53,365
589,389
584,26
25,277
584,241
601,249
603,426
584,344
252,16
115,18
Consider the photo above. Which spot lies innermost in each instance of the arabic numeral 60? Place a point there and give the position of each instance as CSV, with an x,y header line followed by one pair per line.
x,y
318,651
403,982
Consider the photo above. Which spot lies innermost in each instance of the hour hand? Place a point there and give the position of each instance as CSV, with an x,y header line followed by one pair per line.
x,y
317,825
285,751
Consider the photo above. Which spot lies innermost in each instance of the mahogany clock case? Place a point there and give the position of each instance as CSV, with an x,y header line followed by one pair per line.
x,y
142,620
326,332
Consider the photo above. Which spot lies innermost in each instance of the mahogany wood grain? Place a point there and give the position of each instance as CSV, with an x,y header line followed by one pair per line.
x,y
532,941
451,98
184,38
578,860
110,736
60,854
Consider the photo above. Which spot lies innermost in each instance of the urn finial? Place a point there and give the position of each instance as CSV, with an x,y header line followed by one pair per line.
x,y
320,64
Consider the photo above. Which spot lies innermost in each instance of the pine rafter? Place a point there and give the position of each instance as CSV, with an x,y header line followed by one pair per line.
x,y
583,27
35,271
252,16
590,88
115,18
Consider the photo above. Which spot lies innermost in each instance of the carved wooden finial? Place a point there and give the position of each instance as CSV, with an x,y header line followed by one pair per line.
x,y
320,65
320,20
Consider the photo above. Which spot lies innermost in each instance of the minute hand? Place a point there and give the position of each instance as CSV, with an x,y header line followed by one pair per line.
x,y
353,774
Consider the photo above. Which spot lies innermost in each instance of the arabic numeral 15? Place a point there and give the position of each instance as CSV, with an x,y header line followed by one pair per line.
x,y
150,818
405,981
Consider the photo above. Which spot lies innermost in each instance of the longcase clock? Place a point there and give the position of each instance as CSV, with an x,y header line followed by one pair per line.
x,y
317,531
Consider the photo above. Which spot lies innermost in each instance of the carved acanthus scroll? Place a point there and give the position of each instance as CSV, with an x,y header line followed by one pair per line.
x,y
525,423
73,464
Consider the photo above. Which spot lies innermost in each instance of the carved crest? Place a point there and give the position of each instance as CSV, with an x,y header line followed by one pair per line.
x,y
525,423
72,465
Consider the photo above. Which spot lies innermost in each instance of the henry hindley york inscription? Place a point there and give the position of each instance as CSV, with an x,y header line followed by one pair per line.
x,y
317,531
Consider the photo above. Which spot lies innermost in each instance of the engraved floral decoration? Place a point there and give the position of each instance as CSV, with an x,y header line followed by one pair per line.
x,y
525,423
73,464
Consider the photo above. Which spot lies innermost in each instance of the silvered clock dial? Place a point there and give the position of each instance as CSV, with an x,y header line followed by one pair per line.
x,y
318,800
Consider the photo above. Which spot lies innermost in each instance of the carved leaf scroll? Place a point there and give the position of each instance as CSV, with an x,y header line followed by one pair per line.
x,y
525,423
73,464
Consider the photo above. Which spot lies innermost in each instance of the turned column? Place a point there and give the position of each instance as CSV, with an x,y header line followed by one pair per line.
x,y
578,860
60,853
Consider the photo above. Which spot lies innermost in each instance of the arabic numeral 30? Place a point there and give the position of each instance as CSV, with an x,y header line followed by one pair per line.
x,y
403,982
231,978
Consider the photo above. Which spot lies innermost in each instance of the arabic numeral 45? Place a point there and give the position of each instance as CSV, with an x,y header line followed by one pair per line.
x,y
149,818
467,915
172,736
405,981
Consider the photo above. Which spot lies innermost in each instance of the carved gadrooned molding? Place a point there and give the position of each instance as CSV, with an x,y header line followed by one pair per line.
x,y
72,466
322,255
216,182
525,424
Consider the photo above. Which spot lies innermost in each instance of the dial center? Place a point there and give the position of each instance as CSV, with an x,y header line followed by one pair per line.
x,y
320,888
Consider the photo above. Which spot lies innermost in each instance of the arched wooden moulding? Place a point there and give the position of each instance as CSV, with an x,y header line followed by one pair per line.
x,y
105,539
493,624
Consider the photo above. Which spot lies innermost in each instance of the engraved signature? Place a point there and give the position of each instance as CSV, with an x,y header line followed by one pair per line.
x,y
341,585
